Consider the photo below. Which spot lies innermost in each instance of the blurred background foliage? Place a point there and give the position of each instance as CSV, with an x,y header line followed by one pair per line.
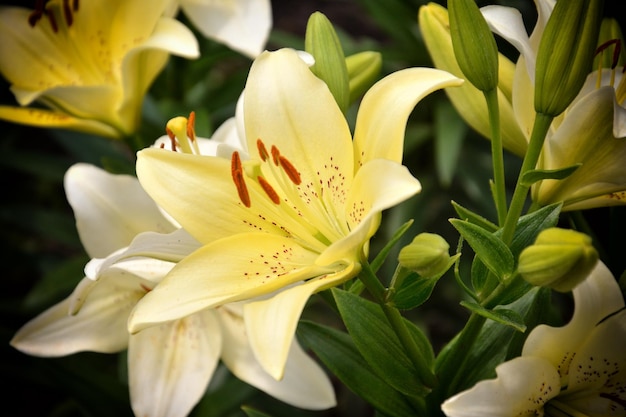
x,y
43,258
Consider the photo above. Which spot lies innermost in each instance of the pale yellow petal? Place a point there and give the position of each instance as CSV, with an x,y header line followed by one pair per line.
x,y
170,366
304,383
386,107
240,267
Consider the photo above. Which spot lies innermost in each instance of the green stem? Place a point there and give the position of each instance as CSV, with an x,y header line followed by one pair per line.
x,y
497,154
538,136
378,291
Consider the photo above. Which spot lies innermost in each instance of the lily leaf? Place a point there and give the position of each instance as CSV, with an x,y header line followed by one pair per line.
x,y
379,345
488,247
338,352
465,214
499,315
536,175
251,412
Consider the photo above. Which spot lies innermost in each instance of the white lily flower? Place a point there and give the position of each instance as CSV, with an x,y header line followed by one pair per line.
x,y
170,365
575,370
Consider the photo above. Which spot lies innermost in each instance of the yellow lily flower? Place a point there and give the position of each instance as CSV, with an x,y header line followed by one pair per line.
x,y
295,215
575,370
586,133
88,66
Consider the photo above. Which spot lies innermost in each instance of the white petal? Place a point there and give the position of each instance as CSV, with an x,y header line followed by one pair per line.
x,y
304,384
170,366
507,22
99,326
243,25
594,299
110,210
522,387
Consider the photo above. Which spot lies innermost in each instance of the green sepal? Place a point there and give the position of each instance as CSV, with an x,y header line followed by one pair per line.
x,y
251,412
338,352
322,42
372,335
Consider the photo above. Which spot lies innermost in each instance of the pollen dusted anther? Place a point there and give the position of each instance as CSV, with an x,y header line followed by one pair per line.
x,y
41,10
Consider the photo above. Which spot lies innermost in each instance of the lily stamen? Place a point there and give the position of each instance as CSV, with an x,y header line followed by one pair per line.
x,y
271,193
290,170
237,174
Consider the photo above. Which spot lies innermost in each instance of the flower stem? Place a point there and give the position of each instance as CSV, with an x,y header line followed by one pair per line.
x,y
491,97
374,286
537,138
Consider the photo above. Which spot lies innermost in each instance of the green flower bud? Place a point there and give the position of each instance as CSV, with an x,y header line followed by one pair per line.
x,y
427,255
322,42
559,259
474,45
363,72
565,55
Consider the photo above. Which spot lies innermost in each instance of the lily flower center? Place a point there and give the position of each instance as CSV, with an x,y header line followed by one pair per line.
x,y
277,186
69,7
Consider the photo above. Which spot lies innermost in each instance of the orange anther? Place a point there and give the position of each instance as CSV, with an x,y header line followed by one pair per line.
x,y
172,137
262,150
236,170
271,193
275,155
290,170
191,124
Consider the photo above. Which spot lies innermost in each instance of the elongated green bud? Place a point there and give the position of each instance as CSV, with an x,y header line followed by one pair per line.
x,y
474,45
559,259
427,255
566,52
322,42
363,72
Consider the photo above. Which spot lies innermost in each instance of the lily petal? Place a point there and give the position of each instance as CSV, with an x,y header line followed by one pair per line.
x,y
52,119
378,185
110,210
243,25
288,107
522,387
271,323
243,266
595,298
385,108
304,383
170,366
99,326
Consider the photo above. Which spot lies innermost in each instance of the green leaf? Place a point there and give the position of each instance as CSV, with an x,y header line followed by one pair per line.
x,y
499,315
465,214
489,248
372,335
450,130
536,175
251,412
338,352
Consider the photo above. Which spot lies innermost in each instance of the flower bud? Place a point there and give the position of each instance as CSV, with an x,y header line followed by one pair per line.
x,y
474,45
565,55
559,259
322,42
427,255
363,71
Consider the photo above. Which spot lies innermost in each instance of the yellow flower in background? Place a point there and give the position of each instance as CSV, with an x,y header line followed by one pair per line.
x,y
88,67
295,215
575,370
589,132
